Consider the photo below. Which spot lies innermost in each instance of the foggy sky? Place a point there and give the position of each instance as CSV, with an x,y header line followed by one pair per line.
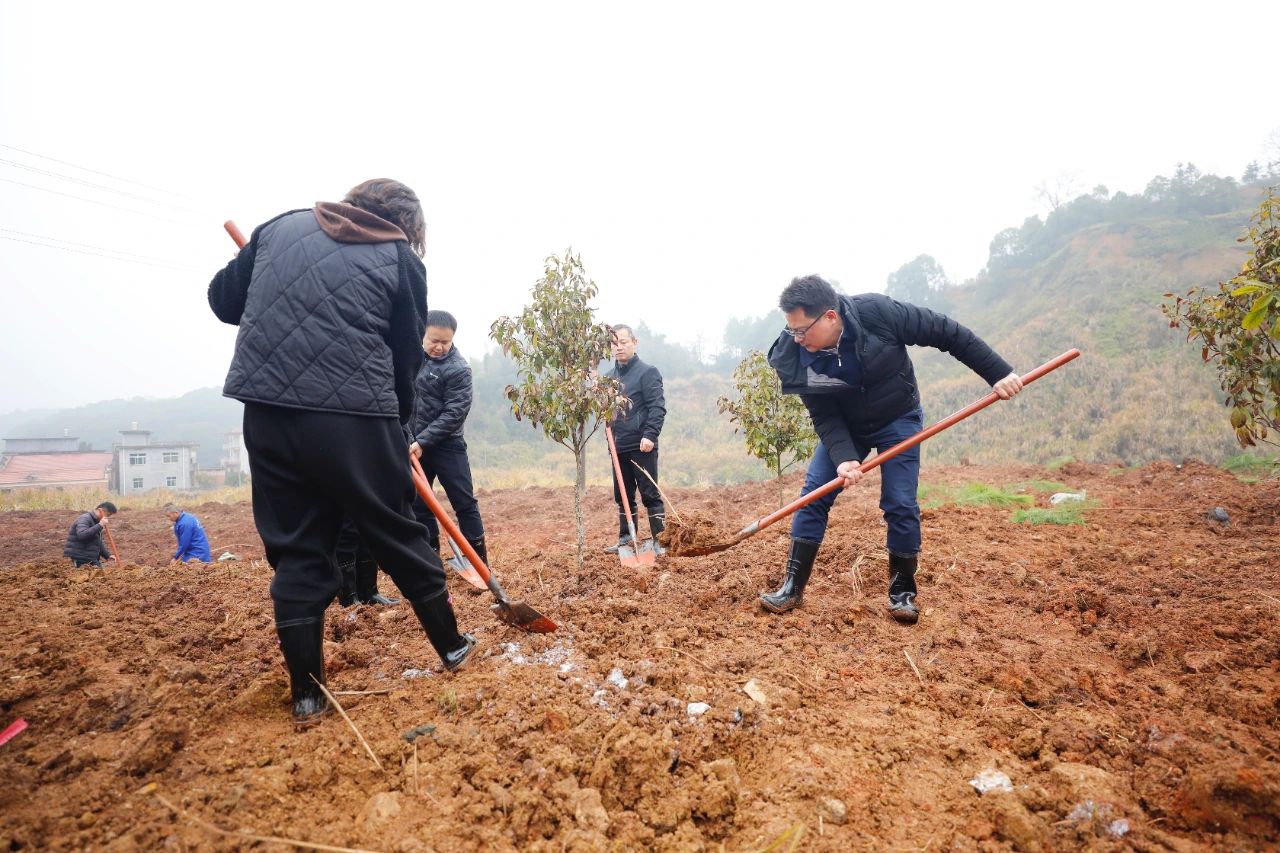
x,y
697,155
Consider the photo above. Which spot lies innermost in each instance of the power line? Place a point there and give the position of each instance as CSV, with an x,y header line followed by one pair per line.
x,y
92,185
95,201
161,264
84,245
93,171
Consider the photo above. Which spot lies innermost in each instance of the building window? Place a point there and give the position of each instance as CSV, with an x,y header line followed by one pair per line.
x,y
137,482
170,456
137,459
171,481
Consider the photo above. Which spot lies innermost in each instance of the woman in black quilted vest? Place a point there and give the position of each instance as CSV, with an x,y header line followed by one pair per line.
x,y
331,303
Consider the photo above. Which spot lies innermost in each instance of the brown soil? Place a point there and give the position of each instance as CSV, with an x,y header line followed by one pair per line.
x,y
1124,675
694,532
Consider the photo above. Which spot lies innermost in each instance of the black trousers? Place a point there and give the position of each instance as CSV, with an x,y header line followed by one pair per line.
x,y
448,463
309,469
650,497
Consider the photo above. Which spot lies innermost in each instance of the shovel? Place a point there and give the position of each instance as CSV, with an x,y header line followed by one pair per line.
x,y
635,554
874,462
514,613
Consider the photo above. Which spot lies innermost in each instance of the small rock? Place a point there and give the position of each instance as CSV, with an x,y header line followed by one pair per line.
x,y
588,810
616,679
695,692
991,780
87,820
833,810
752,689
381,807
227,557
418,731
1219,515
697,709
1066,497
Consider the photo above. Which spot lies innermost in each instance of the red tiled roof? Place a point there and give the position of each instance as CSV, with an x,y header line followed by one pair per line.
x,y
54,469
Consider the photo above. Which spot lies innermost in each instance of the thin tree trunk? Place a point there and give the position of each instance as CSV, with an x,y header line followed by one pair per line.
x,y
579,496
777,467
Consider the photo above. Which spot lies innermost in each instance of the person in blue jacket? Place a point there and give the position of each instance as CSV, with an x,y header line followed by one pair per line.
x,y
192,543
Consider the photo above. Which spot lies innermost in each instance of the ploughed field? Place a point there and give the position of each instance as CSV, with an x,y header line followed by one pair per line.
x,y
1120,678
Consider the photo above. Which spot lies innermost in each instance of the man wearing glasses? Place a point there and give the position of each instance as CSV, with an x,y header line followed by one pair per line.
x,y
846,356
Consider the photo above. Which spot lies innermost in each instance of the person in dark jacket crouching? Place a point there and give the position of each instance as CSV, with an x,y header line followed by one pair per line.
x,y
846,356
84,539
444,400
331,304
635,432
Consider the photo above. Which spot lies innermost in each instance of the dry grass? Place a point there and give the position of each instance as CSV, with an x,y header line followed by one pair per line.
x,y
84,498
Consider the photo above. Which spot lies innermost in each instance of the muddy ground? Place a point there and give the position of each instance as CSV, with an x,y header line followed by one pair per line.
x,y
1123,675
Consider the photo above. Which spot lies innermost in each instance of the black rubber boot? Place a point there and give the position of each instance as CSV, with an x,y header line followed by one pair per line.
x,y
657,523
438,620
902,588
624,539
367,581
302,642
799,567
347,589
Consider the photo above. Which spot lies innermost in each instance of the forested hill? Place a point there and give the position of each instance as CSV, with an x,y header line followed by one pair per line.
x,y
1090,275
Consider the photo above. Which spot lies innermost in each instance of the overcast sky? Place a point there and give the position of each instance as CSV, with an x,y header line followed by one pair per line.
x,y
697,155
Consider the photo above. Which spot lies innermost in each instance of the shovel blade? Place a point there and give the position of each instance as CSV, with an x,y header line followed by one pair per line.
x,y
517,614
634,558
460,564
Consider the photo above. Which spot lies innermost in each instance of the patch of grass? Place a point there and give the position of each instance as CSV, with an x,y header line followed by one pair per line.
x,y
1058,461
1115,472
1071,512
1250,467
981,494
1046,486
931,496
969,494
448,701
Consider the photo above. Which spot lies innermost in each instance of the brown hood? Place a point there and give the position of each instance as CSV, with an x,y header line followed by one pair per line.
x,y
347,223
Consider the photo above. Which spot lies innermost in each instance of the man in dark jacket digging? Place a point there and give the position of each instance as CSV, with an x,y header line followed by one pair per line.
x,y
444,400
331,305
635,433
846,356
84,540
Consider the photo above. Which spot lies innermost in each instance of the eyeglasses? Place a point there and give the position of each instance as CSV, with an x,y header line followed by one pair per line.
x,y
800,333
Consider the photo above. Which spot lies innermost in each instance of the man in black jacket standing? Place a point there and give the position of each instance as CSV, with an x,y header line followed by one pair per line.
x,y
636,435
84,540
444,400
846,356
331,305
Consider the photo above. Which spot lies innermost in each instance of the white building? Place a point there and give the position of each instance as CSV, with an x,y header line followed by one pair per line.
x,y
235,456
141,465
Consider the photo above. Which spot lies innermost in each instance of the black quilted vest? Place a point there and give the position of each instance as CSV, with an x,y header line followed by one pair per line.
x,y
314,334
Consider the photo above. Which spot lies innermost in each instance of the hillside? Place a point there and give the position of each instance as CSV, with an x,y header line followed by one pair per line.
x,y
1091,275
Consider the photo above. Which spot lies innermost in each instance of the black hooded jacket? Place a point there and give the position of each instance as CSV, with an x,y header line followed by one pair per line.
x,y
642,385
444,398
882,329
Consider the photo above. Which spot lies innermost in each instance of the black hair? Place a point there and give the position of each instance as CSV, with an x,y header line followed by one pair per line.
x,y
108,506
442,320
397,204
812,293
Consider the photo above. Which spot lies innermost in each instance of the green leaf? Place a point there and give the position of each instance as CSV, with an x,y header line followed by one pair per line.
x,y
1258,312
